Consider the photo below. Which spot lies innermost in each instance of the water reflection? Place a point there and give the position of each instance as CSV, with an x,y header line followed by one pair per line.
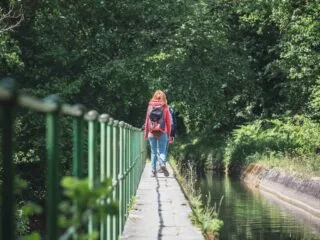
x,y
251,214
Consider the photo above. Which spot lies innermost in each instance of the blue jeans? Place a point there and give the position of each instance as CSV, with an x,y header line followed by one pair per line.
x,y
158,145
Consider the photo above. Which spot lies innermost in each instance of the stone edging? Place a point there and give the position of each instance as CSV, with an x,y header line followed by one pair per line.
x,y
302,193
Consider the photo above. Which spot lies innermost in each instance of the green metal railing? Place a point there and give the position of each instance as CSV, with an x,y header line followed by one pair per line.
x,y
118,149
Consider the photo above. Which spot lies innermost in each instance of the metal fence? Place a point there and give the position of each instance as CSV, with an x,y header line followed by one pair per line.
x,y
114,147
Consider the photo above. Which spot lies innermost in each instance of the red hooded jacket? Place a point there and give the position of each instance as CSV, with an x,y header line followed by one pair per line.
x,y
166,117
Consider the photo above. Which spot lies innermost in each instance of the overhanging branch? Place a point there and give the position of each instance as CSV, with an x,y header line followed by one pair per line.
x,y
11,19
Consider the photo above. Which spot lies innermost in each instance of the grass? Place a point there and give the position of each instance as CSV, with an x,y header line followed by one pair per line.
x,y
203,216
303,166
132,203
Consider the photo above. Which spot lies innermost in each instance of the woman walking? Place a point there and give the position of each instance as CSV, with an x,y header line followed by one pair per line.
x,y
157,130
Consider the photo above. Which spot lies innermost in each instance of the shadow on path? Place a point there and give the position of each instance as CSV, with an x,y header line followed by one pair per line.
x,y
161,225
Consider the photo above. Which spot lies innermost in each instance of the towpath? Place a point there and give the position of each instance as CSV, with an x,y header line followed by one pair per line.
x,y
161,211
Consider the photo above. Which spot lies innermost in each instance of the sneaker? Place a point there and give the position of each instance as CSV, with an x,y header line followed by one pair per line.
x,y
165,170
153,173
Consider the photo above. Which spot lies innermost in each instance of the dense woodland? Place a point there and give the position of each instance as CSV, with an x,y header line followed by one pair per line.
x,y
243,76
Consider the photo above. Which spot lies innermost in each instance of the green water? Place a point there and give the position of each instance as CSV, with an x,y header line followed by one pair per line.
x,y
251,214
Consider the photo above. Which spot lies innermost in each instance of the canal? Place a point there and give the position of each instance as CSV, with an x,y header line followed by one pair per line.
x,y
250,214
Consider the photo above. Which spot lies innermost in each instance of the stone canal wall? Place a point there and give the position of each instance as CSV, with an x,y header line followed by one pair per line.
x,y
301,192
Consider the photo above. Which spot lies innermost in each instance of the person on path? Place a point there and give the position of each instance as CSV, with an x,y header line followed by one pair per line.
x,y
157,130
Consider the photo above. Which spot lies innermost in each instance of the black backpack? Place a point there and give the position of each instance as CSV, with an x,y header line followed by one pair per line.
x,y
156,120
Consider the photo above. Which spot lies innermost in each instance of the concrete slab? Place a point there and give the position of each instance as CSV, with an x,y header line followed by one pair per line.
x,y
161,211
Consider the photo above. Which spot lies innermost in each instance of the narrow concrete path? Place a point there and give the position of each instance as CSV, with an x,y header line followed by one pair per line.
x,y
161,211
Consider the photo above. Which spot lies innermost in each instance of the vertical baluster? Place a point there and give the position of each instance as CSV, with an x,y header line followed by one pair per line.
x,y
136,154
143,151
92,157
52,145
117,167
126,168
77,160
121,187
7,191
110,173
115,175
137,159
103,160
139,153
133,162
130,163
78,134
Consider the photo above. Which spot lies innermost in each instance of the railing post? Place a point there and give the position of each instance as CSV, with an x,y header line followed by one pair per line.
x,y
7,191
110,173
92,157
143,151
126,167
121,173
115,194
103,170
77,160
52,145
78,137
132,159
129,161
136,160
140,152
137,152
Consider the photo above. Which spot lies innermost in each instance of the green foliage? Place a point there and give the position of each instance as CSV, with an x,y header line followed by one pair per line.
x,y
295,137
78,204
81,201
279,39
21,157
203,215
24,210
9,54
32,236
222,63
315,100
202,153
205,90
299,46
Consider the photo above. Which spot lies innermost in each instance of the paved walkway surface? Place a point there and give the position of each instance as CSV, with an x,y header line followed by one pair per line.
x,y
161,211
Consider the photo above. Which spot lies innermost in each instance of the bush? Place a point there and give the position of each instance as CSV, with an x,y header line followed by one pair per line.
x,y
203,153
294,137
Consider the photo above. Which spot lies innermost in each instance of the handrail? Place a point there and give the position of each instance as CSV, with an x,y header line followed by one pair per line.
x,y
122,154
39,105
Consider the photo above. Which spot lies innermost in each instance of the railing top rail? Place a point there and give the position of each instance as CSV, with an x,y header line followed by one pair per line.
x,y
46,106
39,105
